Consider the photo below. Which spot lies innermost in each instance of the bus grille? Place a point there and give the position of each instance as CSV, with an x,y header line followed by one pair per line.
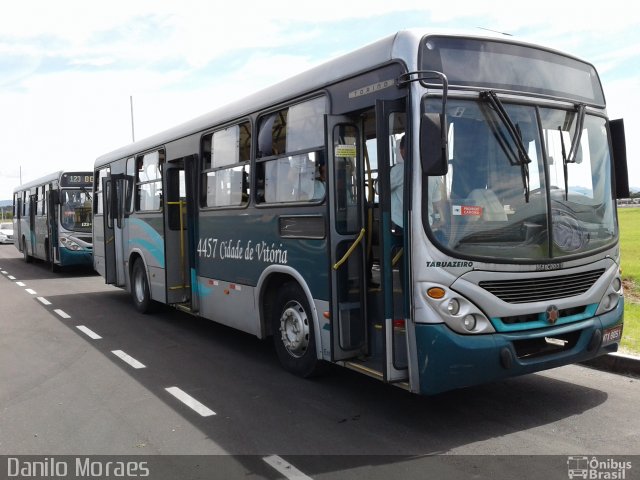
x,y
543,288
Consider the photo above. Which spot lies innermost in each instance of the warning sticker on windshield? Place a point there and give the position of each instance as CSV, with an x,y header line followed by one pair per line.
x,y
466,210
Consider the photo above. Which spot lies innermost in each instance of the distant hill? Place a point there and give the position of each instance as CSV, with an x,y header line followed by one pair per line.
x,y
6,203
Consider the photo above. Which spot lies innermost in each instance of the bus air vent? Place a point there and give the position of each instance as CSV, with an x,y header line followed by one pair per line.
x,y
540,347
542,289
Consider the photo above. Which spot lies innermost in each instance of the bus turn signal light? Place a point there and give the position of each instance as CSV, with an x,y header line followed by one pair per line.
x,y
436,292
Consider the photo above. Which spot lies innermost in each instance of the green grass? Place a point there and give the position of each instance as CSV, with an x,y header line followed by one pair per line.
x,y
631,331
630,253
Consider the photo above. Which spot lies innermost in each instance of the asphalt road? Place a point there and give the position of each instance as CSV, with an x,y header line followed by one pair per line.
x,y
83,373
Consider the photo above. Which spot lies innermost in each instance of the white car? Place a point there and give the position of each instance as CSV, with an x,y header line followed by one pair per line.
x,y
6,232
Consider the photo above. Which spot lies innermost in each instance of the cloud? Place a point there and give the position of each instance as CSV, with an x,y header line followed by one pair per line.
x,y
68,68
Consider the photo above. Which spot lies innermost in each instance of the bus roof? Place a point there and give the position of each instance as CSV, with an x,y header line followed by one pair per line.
x,y
308,81
39,181
54,176
401,45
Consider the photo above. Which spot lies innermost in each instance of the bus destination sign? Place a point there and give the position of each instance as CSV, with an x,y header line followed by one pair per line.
x,y
77,179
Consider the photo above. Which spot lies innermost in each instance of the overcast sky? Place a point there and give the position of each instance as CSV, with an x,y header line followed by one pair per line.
x,y
68,68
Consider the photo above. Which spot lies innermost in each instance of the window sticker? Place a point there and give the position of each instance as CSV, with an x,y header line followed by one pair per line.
x,y
466,210
347,151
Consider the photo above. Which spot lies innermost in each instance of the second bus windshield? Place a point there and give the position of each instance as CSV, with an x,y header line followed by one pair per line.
x,y
75,210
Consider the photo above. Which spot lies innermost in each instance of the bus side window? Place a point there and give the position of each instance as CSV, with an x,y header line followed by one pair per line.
x,y
97,186
225,177
290,154
149,181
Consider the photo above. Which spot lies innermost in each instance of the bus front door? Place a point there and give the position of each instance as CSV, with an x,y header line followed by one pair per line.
x,y
109,218
348,295
369,264
177,252
53,205
393,235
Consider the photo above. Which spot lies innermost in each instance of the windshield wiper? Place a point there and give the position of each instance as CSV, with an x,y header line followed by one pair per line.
x,y
575,145
87,192
521,157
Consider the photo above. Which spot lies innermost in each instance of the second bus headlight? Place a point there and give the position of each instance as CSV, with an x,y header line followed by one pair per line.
x,y
70,244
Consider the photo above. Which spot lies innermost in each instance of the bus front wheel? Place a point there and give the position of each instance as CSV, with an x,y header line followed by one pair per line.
x,y
293,334
140,288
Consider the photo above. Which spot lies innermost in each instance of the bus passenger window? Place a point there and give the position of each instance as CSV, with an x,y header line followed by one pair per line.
x,y
149,181
291,142
225,177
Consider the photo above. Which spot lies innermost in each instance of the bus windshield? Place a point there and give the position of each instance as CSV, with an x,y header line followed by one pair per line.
x,y
76,210
495,203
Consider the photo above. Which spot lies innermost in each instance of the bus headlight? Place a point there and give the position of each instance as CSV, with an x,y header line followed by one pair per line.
x,y
616,284
453,307
460,314
611,297
70,244
469,322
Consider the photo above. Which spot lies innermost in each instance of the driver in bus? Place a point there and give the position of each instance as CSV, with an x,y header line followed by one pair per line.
x,y
396,178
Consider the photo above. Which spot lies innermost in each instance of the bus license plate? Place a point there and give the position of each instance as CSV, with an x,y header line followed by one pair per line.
x,y
611,335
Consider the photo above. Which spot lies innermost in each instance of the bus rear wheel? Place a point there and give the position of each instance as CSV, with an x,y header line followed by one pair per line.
x,y
293,333
140,288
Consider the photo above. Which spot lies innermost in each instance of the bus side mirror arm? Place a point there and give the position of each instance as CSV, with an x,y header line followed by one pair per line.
x,y
433,144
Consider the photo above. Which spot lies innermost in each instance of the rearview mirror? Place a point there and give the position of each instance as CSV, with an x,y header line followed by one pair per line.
x,y
433,144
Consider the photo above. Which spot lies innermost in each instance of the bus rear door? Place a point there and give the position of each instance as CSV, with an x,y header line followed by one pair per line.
x,y
177,252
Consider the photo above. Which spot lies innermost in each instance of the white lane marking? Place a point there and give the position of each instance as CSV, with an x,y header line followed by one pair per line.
x,y
44,301
4,272
190,402
89,333
285,468
20,284
11,277
29,290
62,313
128,359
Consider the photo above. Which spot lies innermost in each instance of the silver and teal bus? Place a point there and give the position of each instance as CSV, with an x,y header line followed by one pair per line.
x,y
52,219
434,211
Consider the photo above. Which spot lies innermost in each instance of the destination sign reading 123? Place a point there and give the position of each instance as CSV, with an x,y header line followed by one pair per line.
x,y
76,179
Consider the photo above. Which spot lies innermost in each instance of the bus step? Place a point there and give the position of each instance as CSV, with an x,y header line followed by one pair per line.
x,y
185,307
363,369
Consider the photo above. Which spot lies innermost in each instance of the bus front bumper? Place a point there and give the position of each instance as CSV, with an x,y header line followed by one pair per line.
x,y
448,360
76,257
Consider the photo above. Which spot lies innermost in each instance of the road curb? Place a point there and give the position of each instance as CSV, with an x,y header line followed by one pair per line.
x,y
616,363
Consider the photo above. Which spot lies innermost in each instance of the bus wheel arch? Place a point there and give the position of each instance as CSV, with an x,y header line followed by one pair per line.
x,y
289,318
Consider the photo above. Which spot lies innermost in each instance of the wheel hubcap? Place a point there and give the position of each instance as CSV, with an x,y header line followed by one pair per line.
x,y
294,329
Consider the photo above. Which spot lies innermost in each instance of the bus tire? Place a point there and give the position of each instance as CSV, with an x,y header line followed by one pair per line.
x,y
140,288
293,332
27,258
